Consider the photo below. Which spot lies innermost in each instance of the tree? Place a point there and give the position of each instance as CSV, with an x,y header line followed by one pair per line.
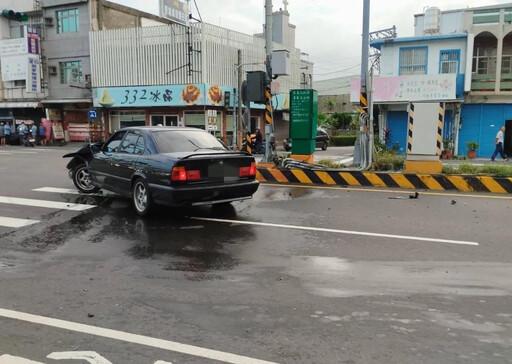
x,y
330,104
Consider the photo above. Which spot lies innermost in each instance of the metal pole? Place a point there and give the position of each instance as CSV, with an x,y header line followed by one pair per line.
x,y
239,101
363,109
268,48
365,45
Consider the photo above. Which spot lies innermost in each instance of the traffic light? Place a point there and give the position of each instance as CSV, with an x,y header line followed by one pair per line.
x,y
256,85
13,15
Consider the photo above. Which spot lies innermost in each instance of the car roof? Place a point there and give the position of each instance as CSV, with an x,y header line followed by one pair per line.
x,y
161,128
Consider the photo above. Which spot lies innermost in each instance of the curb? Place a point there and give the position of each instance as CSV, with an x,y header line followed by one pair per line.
x,y
436,182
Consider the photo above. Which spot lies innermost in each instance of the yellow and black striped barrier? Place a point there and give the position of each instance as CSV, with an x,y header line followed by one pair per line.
x,y
437,182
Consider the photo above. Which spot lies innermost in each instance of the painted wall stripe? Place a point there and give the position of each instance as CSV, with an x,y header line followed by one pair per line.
x,y
301,176
437,182
492,185
430,182
350,179
374,179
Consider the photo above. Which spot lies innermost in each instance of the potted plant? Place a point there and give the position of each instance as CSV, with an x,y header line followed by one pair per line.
x,y
472,147
447,149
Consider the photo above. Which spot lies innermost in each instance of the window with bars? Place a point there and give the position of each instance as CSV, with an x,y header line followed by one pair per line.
x,y
449,61
71,71
413,61
67,21
484,60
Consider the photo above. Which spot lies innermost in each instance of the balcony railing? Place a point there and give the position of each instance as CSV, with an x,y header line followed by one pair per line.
x,y
483,82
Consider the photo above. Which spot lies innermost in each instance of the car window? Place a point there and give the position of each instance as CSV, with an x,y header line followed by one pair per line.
x,y
114,142
171,141
129,142
140,146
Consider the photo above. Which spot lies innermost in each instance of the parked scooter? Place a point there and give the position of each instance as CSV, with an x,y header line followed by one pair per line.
x,y
256,148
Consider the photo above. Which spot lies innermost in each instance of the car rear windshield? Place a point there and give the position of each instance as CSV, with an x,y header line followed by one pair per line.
x,y
172,141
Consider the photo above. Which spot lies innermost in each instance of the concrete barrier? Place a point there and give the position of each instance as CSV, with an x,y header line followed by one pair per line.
x,y
437,182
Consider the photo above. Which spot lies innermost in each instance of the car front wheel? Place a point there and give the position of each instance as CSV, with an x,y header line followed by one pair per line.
x,y
82,180
324,146
141,197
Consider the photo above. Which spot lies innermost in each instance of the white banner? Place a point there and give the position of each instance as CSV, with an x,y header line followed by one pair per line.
x,y
409,88
14,68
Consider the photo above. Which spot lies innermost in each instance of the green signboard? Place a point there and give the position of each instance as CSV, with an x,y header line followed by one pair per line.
x,y
303,120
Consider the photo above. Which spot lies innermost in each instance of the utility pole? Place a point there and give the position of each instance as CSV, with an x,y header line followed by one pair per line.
x,y
239,128
269,125
364,122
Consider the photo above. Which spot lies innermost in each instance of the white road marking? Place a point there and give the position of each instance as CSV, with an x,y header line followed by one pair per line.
x,y
9,359
71,191
162,362
132,338
336,231
17,152
89,356
16,223
46,204
7,153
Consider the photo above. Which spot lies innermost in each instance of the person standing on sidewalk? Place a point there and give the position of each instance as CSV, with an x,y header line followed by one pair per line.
x,y
2,134
42,134
7,133
499,145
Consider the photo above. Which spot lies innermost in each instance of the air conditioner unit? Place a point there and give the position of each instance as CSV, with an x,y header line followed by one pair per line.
x,y
52,70
48,21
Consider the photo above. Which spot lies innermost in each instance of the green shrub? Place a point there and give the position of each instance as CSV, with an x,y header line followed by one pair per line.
x,y
388,161
498,171
467,168
343,140
449,169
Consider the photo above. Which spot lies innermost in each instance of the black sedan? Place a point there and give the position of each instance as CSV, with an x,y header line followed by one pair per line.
x,y
321,141
165,165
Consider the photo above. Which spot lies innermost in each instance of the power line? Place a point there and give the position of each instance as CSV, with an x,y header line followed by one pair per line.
x,y
343,70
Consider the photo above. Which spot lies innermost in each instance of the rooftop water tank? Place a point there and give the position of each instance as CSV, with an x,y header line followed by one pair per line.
x,y
432,21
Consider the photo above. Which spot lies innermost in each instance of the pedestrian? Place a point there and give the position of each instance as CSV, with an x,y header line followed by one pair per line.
x,y
33,131
7,133
2,134
499,145
42,134
22,133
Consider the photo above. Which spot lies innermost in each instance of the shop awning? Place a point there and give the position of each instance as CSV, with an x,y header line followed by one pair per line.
x,y
21,104
67,101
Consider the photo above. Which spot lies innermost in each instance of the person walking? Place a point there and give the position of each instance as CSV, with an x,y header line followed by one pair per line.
x,y
499,145
22,133
2,134
7,133
42,134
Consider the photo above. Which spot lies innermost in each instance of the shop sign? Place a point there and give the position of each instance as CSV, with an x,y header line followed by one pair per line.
x,y
409,88
175,10
33,82
57,131
165,95
211,120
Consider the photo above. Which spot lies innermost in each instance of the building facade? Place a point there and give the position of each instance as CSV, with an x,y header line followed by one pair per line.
x,y
469,52
187,76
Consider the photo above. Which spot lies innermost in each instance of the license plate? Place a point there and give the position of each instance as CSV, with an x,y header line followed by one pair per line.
x,y
216,170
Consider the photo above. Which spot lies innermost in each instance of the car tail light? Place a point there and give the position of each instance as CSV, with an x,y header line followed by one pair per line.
x,y
248,171
180,174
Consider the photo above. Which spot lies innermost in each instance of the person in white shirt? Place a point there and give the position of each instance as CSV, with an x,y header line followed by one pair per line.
x,y
499,145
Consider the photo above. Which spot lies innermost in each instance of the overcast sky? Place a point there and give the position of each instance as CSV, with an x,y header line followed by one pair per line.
x,y
328,30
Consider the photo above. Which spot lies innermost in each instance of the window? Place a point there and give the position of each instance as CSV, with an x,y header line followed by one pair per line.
x,y
71,71
449,61
67,21
185,141
129,142
484,60
114,141
486,16
413,61
19,83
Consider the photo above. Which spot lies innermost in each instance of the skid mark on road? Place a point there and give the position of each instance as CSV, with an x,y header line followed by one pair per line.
x,y
132,338
336,231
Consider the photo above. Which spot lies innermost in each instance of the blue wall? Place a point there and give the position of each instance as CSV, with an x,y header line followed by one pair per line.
x,y
480,123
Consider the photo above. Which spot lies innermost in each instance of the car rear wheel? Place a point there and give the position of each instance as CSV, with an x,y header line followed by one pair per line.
x,y
324,146
141,197
82,180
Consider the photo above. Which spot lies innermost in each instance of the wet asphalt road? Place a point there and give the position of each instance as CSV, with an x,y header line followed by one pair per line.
x,y
321,294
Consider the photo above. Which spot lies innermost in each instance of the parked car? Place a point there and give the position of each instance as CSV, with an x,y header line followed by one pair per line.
x,y
164,165
321,141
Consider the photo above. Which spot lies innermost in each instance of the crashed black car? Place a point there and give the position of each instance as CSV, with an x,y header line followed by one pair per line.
x,y
172,166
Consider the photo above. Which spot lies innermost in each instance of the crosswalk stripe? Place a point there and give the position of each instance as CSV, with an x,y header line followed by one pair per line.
x,y
16,223
16,152
72,191
45,204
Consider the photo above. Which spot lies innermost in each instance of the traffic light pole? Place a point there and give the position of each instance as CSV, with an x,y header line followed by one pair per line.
x,y
269,126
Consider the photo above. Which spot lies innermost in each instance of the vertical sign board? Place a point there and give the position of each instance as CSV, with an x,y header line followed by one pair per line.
x,y
211,120
303,120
